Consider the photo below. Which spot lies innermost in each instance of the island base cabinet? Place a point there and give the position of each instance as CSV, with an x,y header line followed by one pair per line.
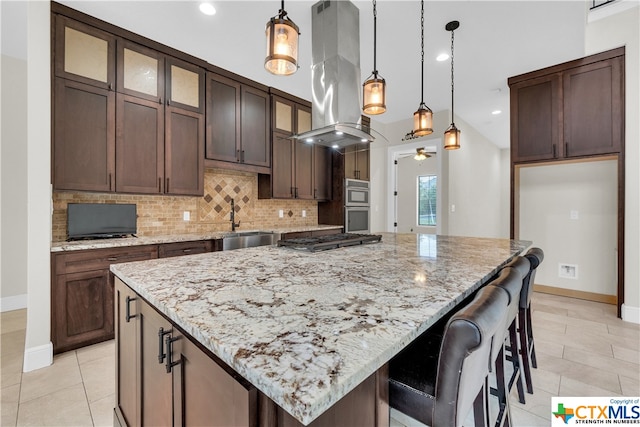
x,y
127,364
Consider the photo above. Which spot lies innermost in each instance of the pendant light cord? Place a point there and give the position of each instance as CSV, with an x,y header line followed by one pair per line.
x,y
452,118
375,18
422,48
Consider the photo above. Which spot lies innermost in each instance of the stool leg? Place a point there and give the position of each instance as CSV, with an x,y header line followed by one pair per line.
x,y
480,409
532,347
524,350
515,361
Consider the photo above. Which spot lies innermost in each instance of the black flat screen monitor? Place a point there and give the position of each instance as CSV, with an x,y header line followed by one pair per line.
x,y
100,220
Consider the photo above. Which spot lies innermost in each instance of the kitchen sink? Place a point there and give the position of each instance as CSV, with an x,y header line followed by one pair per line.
x,y
248,239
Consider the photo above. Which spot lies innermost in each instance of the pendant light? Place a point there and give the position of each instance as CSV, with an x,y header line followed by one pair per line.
x,y
373,90
282,44
423,117
452,134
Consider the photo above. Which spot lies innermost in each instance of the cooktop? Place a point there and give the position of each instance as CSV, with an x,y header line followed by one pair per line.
x,y
331,241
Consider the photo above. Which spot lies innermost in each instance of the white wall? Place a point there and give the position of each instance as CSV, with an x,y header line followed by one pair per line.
x,y
505,193
622,29
475,186
471,179
549,195
13,193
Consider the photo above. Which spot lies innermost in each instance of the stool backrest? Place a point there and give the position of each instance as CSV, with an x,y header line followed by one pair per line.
x,y
465,356
535,257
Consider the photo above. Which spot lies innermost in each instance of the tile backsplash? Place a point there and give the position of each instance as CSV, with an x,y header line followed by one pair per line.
x,y
164,215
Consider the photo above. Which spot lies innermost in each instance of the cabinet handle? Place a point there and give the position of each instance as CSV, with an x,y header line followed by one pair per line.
x,y
159,100
161,354
159,184
554,151
112,259
166,188
110,181
186,251
168,341
296,192
566,149
242,156
127,309
238,156
110,86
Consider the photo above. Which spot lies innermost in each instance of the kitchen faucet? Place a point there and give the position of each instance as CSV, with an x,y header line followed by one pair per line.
x,y
233,218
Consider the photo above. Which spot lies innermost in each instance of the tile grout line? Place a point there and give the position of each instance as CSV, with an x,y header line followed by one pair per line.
x,y
84,388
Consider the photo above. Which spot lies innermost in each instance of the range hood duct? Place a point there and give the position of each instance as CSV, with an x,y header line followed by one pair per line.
x,y
335,76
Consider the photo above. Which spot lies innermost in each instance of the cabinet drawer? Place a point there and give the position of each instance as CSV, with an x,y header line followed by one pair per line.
x,y
97,259
184,248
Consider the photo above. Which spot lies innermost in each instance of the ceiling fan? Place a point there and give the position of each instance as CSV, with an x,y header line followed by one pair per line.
x,y
422,154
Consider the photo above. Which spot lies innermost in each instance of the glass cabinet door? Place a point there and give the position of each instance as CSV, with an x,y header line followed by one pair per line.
x,y
140,71
283,115
84,54
304,119
185,85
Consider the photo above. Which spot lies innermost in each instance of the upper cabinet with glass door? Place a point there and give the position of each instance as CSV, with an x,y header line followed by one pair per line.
x,y
140,71
290,117
84,54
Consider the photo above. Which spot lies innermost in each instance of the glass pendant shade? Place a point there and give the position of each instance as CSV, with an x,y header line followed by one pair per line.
x,y
282,46
452,138
422,121
374,95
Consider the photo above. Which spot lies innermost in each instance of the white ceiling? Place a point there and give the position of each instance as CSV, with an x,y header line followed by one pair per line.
x,y
496,40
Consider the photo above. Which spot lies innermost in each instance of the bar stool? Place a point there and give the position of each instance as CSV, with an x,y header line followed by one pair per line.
x,y
438,382
525,330
508,281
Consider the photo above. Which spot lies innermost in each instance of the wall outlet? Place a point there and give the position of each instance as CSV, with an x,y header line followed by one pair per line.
x,y
304,213
453,208
281,213
567,271
186,215
574,215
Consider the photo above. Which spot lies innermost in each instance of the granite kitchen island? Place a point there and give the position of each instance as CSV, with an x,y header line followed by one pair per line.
x,y
305,329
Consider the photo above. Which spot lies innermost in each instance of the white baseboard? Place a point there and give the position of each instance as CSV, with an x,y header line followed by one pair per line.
x,y
630,314
15,302
38,357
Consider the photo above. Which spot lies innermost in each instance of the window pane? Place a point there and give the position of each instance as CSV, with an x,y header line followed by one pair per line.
x,y
427,190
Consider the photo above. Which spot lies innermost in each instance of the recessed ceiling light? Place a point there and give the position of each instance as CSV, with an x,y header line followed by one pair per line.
x,y
339,133
496,112
335,146
309,140
442,57
364,140
207,9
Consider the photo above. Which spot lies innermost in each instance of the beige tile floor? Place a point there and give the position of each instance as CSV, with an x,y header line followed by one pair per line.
x,y
582,348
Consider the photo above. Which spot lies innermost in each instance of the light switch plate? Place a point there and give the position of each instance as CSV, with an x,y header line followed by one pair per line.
x,y
186,215
304,213
281,213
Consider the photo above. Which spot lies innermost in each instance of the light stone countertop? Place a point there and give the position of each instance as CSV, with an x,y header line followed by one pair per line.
x,y
306,328
79,245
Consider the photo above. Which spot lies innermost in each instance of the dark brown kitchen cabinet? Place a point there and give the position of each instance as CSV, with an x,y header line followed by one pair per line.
x,y
185,248
127,118
238,118
139,145
163,378
570,110
283,168
84,137
356,161
82,294
321,173
289,116
84,54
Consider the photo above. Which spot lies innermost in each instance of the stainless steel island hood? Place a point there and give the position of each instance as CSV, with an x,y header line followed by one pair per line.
x,y
335,75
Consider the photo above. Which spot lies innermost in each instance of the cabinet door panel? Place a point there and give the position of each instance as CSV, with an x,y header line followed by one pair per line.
x,y
84,309
283,117
127,355
282,169
140,71
304,170
223,118
184,156
185,85
205,394
536,118
362,161
156,385
321,173
350,162
256,148
84,137
592,109
84,53
139,145
303,119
